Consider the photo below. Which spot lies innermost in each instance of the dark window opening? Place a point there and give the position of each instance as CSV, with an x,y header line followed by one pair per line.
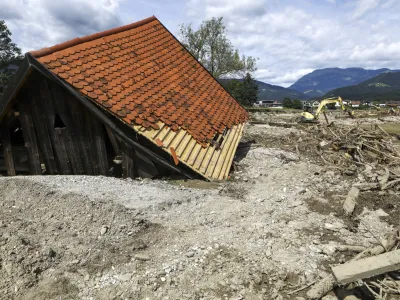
x,y
58,123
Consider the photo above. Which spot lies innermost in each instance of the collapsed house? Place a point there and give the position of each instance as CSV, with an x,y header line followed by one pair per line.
x,y
130,101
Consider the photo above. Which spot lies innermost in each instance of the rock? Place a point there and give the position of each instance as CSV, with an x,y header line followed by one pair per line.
x,y
324,144
350,202
142,257
104,230
163,279
381,213
350,171
337,226
190,254
295,203
351,297
329,297
51,253
125,277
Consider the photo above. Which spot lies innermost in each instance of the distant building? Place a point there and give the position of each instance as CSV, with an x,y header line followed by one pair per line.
x,y
268,103
355,103
315,103
393,103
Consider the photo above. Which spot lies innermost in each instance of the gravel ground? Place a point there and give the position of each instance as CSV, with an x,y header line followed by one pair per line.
x,y
271,229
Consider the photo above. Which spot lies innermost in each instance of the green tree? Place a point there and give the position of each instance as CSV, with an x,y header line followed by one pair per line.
x,y
215,52
249,91
10,55
287,102
296,103
245,91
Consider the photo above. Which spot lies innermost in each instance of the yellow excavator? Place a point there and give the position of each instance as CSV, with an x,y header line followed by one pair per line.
x,y
308,117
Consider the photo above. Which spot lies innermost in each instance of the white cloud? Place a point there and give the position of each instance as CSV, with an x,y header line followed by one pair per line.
x,y
289,37
42,23
291,40
364,6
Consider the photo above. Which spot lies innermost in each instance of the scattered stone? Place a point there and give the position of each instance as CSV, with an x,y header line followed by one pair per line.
x,y
350,202
381,213
296,203
190,254
337,226
329,297
142,257
324,144
104,229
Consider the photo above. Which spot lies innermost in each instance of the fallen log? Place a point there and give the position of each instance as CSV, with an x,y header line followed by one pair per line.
x,y
326,284
367,267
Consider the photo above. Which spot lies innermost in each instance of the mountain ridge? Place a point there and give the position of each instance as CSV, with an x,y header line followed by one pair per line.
x,y
385,86
321,81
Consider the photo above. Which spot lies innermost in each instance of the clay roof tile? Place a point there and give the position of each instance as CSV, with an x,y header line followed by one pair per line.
x,y
140,72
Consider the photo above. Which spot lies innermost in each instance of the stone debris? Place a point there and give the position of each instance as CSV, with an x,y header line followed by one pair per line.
x,y
270,232
350,202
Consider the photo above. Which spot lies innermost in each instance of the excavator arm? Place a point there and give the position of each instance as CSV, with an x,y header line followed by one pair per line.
x,y
312,117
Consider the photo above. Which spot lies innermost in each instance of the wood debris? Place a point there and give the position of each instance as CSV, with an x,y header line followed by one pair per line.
x,y
325,285
367,267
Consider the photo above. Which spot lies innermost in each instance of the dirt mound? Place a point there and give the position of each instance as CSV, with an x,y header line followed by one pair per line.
x,y
45,233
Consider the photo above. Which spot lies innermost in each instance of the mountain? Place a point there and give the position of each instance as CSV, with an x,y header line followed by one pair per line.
x,y
383,87
319,82
276,92
268,91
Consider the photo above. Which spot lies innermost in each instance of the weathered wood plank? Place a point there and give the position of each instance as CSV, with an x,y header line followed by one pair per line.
x,y
28,132
61,138
98,144
144,166
113,140
73,141
49,113
128,161
7,148
367,267
82,134
44,140
73,154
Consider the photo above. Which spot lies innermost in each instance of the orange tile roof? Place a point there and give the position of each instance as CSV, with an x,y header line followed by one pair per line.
x,y
142,74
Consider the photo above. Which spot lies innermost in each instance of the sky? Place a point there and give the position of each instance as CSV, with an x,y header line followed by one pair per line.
x,y
290,38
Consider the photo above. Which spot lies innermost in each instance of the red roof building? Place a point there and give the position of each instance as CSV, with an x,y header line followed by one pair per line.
x,y
143,77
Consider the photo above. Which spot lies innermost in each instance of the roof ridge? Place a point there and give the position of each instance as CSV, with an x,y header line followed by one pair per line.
x,y
88,38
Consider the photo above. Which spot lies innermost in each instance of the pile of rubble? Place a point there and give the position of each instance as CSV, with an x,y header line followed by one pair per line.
x,y
343,146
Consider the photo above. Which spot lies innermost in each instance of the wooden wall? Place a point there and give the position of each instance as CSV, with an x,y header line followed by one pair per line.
x,y
61,136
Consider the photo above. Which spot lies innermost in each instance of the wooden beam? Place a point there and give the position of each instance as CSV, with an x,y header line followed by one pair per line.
x,y
28,132
72,135
113,140
40,123
61,138
98,144
50,114
367,267
82,134
7,148
145,167
128,166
